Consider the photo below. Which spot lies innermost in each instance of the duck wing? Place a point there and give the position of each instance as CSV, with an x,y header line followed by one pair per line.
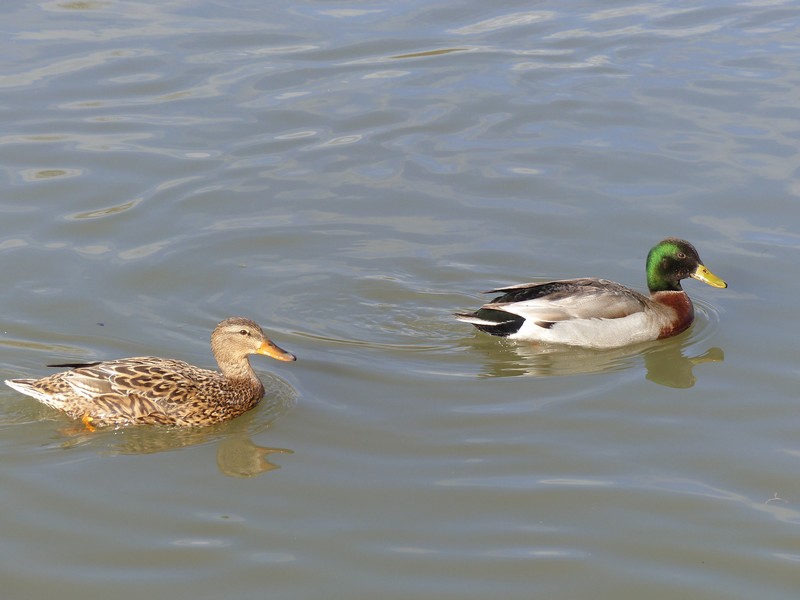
x,y
136,389
553,301
145,376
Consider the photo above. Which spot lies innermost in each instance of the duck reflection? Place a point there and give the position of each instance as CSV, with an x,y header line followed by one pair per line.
x,y
672,368
237,454
667,362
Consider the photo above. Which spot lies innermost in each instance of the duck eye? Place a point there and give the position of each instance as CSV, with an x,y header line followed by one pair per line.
x,y
681,255
243,332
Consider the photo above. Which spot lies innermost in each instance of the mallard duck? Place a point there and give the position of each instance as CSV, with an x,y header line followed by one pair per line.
x,y
598,313
151,390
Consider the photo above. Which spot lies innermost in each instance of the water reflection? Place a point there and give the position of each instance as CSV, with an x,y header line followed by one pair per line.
x,y
238,456
667,362
669,366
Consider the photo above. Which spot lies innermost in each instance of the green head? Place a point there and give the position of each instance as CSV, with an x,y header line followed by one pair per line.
x,y
672,260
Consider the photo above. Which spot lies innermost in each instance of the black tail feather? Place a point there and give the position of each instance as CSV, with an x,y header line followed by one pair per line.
x,y
495,322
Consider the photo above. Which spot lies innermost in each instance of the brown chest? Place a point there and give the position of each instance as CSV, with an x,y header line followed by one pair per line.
x,y
678,310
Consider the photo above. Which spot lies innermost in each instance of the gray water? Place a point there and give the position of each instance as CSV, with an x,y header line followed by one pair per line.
x,y
348,175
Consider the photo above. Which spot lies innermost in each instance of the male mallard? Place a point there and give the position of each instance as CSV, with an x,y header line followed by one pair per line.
x,y
150,390
599,313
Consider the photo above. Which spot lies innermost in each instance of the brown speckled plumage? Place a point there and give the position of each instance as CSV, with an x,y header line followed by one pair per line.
x,y
150,390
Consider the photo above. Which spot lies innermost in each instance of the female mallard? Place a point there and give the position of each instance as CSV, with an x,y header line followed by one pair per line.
x,y
598,313
150,390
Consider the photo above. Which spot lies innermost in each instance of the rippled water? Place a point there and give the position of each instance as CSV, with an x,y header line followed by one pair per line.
x,y
349,175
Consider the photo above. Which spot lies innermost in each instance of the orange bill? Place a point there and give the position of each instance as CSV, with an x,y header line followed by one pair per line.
x,y
268,348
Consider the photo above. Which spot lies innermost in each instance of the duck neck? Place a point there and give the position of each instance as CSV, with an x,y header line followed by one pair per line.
x,y
237,370
657,280
239,375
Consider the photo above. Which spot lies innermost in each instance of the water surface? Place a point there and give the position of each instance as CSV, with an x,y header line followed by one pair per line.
x,y
348,175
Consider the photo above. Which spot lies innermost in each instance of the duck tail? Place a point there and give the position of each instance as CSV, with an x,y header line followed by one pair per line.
x,y
494,322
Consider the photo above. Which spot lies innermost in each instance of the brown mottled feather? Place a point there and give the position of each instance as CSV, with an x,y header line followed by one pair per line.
x,y
151,390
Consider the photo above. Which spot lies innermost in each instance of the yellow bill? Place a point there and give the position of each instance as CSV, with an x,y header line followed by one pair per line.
x,y
701,273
